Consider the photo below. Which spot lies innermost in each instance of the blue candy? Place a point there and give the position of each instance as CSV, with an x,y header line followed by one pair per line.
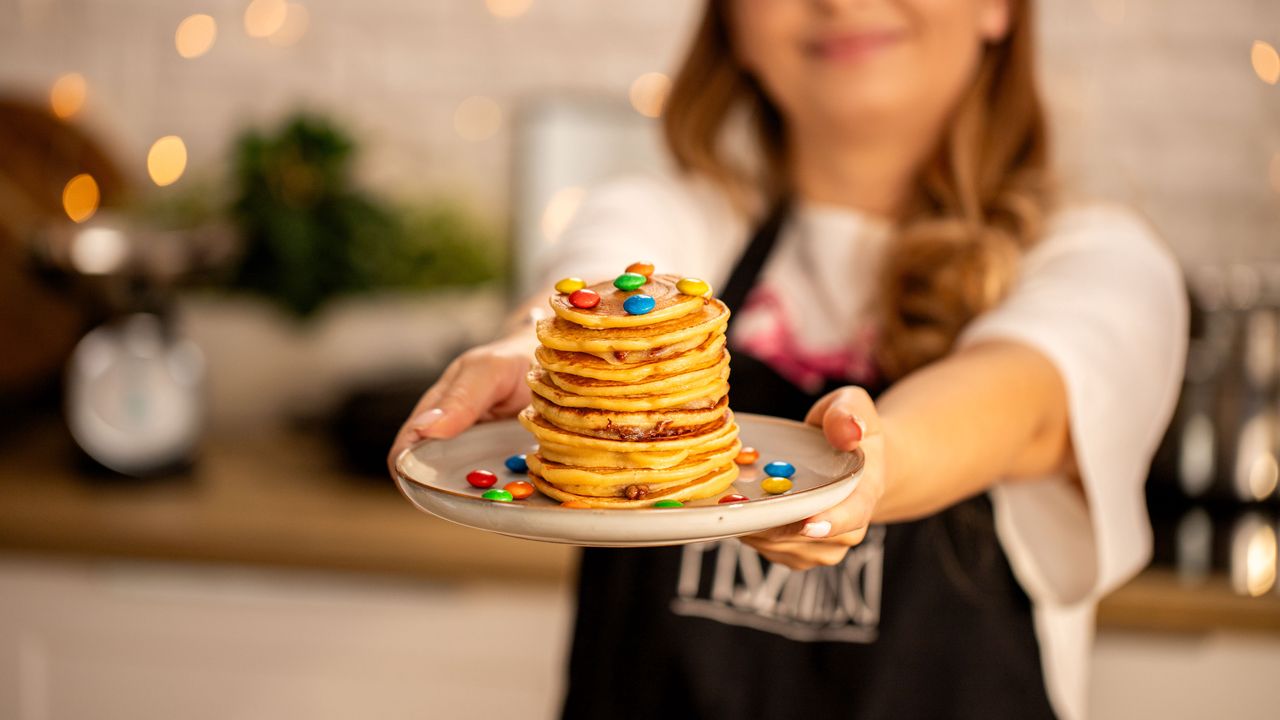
x,y
516,463
638,304
777,468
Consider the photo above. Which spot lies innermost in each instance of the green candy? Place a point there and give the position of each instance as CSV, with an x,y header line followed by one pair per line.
x,y
629,281
497,495
668,504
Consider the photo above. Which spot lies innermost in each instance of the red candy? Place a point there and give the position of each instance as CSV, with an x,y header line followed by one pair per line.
x,y
585,299
732,499
481,478
519,489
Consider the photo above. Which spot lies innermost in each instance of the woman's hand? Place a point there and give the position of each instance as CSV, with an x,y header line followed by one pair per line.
x,y
849,419
484,383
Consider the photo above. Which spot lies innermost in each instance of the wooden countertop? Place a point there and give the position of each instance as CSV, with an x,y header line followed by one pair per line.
x,y
282,499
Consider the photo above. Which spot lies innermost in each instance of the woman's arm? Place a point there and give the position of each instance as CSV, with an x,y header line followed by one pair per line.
x,y
993,411
996,410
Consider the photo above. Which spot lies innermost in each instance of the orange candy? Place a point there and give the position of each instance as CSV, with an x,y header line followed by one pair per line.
x,y
574,504
747,456
519,489
641,268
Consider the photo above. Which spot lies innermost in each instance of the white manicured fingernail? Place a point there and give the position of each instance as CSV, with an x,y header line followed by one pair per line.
x,y
818,529
862,428
421,422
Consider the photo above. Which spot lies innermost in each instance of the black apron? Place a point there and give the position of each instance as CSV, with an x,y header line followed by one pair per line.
x,y
922,620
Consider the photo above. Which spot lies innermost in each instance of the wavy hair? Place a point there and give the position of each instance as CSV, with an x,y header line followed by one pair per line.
x,y
978,201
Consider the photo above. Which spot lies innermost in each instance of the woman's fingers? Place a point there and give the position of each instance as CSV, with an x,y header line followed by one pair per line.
x,y
804,555
482,383
849,418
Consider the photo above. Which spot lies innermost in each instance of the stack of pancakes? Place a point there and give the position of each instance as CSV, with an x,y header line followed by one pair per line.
x,y
630,409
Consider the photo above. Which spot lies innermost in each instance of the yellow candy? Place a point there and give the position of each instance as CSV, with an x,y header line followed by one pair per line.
x,y
694,286
775,485
569,285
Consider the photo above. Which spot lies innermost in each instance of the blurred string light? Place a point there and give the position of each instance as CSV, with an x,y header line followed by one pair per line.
x,y
1110,12
508,9
1253,556
67,95
263,18
477,118
296,21
559,211
167,160
80,197
1266,62
98,250
195,35
649,93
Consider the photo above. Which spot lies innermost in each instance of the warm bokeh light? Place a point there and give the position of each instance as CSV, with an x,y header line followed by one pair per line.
x,y
1260,561
559,212
507,9
265,17
1266,62
167,160
68,94
296,20
98,250
80,197
195,35
477,118
649,93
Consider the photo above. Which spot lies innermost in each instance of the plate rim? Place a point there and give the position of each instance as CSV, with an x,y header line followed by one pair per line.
x,y
859,464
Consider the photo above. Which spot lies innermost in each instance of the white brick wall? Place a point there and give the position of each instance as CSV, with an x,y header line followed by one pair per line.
x,y
1161,110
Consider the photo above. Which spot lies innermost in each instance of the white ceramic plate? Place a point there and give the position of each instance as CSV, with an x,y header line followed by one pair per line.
x,y
432,475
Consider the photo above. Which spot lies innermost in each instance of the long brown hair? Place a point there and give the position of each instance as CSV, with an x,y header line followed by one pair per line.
x,y
978,201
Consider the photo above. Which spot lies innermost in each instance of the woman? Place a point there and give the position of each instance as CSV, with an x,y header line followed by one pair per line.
x,y
900,277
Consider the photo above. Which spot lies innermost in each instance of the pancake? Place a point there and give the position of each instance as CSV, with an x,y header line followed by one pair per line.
x,y
588,365
569,476
709,485
694,437
654,385
669,303
632,409
592,457
632,357
691,396
628,426
560,334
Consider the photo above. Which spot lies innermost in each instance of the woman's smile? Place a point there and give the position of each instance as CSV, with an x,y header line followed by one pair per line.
x,y
852,46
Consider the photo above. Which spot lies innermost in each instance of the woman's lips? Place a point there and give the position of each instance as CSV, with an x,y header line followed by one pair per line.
x,y
852,45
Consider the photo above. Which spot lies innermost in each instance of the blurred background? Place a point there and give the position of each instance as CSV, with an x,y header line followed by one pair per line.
x,y
238,238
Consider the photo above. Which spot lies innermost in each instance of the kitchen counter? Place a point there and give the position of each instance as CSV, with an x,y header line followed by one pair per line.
x,y
281,499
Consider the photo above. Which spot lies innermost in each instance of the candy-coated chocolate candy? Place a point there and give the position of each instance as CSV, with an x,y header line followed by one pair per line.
x,y
693,286
638,304
629,281
641,268
668,504
574,504
497,495
517,464
735,498
519,489
747,455
481,478
775,485
570,284
585,299
781,469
